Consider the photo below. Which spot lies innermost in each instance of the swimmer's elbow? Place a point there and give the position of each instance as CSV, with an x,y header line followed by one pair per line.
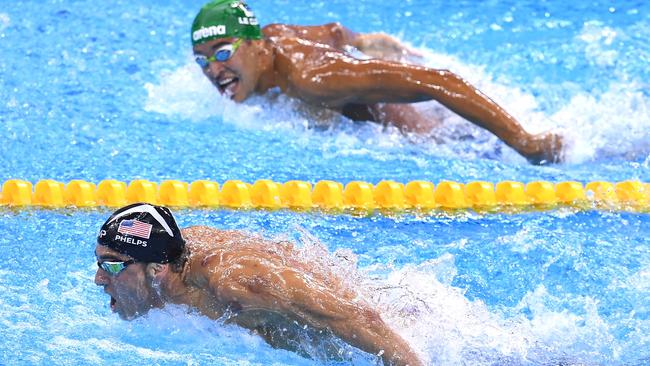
x,y
341,35
336,28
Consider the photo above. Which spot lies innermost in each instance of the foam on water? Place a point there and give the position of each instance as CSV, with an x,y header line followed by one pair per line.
x,y
616,121
185,93
440,321
639,281
599,39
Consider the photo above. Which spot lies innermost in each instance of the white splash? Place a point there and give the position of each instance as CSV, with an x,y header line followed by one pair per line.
x,y
582,337
639,281
612,124
184,93
439,321
87,347
599,39
449,329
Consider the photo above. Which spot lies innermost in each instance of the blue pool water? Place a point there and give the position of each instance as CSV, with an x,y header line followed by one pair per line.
x,y
91,91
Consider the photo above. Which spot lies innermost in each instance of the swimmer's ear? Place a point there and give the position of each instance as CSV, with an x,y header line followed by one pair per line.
x,y
154,270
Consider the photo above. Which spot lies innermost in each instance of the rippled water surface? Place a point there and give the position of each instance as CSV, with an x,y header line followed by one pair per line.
x,y
97,91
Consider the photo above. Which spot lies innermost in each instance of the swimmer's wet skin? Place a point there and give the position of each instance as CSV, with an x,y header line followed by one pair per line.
x,y
310,63
145,261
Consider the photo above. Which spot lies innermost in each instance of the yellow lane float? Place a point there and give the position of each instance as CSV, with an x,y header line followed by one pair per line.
x,y
328,195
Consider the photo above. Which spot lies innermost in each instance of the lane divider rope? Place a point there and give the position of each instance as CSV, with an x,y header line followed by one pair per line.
x,y
330,195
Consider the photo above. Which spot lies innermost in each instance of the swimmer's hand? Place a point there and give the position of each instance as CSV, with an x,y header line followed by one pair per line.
x,y
382,46
545,148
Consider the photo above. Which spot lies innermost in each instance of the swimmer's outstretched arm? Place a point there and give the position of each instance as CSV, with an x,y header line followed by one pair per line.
x,y
259,282
343,80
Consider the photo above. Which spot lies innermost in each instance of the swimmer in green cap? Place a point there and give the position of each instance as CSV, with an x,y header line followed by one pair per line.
x,y
145,261
311,64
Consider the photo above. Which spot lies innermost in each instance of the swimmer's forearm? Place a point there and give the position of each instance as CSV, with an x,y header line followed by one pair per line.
x,y
470,103
367,331
354,321
375,81
399,83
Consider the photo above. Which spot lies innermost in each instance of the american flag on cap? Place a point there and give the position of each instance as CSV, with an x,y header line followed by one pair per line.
x,y
135,228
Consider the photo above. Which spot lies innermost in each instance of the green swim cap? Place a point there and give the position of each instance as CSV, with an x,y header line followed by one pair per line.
x,y
224,19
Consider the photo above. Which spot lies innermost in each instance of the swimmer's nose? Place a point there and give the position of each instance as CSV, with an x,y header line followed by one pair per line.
x,y
214,69
101,278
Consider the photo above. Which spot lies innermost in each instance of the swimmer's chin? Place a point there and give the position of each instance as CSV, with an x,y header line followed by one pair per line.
x,y
115,308
129,317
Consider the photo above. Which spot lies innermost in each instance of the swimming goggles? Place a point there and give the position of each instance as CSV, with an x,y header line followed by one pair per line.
x,y
221,54
114,268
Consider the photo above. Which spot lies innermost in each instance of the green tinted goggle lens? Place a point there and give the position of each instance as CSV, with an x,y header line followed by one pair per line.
x,y
114,268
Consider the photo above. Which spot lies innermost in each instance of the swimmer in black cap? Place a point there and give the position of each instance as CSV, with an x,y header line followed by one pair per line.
x,y
132,245
146,261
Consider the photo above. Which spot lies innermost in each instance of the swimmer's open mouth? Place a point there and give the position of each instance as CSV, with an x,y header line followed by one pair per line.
x,y
227,85
113,301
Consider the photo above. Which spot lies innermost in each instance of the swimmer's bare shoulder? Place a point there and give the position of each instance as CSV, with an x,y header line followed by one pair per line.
x,y
333,34
212,249
199,236
205,240
256,274
301,66
224,258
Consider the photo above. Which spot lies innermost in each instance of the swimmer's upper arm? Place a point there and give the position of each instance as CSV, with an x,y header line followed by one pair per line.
x,y
257,283
338,79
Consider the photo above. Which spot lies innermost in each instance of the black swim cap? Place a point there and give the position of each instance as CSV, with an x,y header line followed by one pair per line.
x,y
144,232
